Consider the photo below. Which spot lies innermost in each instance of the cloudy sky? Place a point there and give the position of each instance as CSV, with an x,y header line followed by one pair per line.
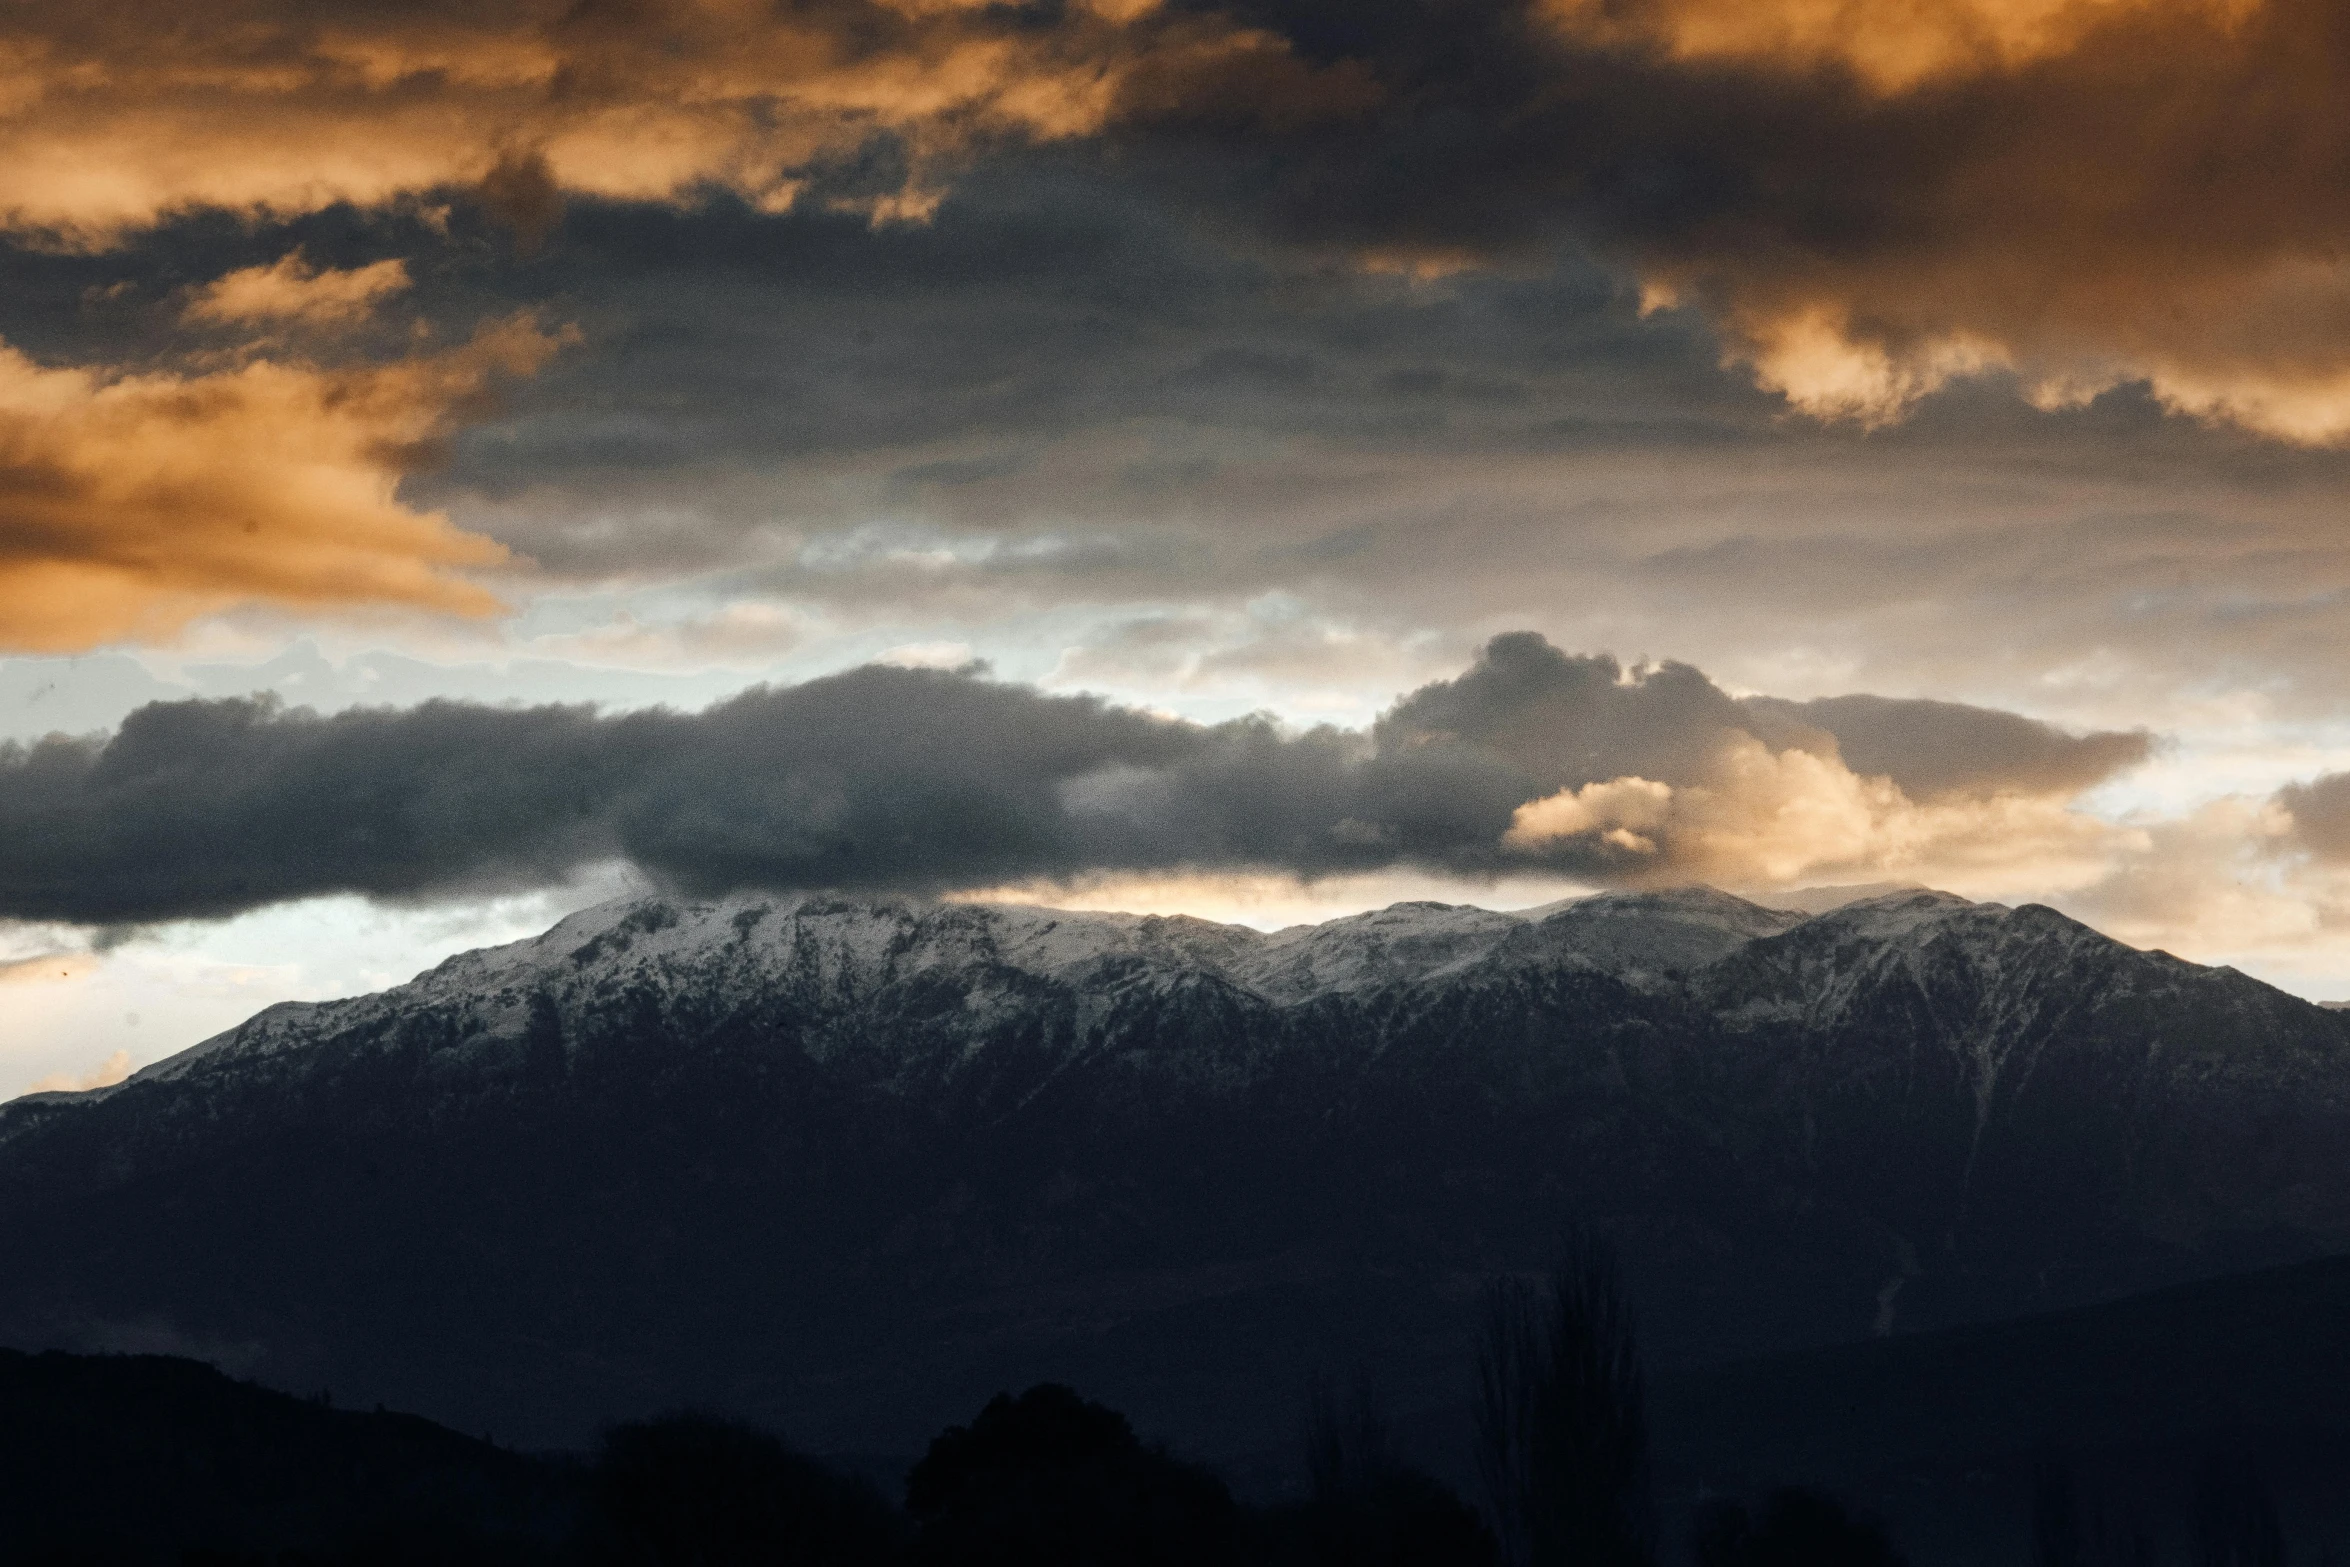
x,y
1264,459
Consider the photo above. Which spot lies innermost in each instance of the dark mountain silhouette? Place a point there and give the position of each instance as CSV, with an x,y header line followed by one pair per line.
x,y
851,1168
147,1458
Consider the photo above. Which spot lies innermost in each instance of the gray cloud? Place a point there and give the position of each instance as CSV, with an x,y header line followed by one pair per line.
x,y
1571,721
1937,749
1016,385
1564,721
878,777
2320,810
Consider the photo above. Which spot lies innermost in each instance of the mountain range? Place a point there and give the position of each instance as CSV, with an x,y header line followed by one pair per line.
x,y
848,1166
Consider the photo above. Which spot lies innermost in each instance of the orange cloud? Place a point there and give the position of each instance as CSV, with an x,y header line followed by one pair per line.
x,y
47,967
114,116
111,1071
291,290
1765,818
2081,193
132,503
1890,46
1869,198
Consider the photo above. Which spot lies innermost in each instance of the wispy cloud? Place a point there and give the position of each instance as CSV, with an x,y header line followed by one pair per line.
x,y
291,290
47,967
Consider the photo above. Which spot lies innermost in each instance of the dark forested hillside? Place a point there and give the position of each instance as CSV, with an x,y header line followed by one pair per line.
x,y
139,1458
2131,1403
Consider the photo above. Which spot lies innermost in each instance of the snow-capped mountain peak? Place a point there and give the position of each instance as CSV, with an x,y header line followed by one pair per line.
x,y
838,1132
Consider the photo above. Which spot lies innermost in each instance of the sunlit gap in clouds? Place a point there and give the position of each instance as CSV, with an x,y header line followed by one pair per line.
x,y
1273,902
94,1005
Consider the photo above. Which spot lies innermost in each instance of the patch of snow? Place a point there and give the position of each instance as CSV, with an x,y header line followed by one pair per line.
x,y
1658,932
1826,900
1406,943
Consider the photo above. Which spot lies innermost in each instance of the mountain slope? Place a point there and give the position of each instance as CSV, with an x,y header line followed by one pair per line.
x,y
852,1166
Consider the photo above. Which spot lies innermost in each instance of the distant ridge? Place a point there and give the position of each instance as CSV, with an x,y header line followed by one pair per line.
x,y
139,1458
1823,900
854,1165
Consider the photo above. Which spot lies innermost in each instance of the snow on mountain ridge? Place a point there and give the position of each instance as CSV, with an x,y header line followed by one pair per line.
x,y
732,955
727,952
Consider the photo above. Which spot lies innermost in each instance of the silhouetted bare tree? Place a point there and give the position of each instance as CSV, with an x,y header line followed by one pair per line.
x,y
1346,1440
1368,1509
1562,1429
2056,1517
1797,1528
2236,1522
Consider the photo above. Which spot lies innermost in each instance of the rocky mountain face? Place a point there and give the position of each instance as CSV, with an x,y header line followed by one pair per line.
x,y
850,1166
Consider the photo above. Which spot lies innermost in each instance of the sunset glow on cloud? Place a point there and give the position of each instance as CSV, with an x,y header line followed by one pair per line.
x,y
2083,194
1891,48
269,106
289,290
138,501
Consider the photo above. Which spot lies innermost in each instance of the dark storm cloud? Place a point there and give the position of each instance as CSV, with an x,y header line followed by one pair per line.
x,y
876,777
1935,749
1566,719
2320,810
1867,200
1052,343
879,777
1048,295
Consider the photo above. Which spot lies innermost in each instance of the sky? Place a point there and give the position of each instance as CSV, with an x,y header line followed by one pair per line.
x,y
1258,460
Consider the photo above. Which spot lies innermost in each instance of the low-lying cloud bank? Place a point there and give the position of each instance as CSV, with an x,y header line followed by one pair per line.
x,y
934,781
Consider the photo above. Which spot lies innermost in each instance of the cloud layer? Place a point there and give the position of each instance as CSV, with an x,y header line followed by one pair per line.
x,y
930,780
1288,225
1866,200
